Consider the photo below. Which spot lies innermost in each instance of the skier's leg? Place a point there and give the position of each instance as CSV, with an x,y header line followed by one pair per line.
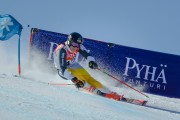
x,y
91,84
83,75
94,90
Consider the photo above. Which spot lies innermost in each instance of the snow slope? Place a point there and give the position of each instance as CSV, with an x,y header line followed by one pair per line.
x,y
31,98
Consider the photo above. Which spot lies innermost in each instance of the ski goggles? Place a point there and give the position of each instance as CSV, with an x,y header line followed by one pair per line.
x,y
75,44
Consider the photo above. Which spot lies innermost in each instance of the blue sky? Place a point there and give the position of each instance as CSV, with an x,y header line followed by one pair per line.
x,y
147,24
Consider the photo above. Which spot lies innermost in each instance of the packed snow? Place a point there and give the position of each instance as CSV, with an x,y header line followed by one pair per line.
x,y
30,97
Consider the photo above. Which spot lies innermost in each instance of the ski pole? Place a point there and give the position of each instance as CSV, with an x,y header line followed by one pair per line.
x,y
123,83
60,84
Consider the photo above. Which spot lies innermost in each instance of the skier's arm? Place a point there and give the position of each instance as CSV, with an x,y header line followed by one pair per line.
x,y
84,52
63,72
90,60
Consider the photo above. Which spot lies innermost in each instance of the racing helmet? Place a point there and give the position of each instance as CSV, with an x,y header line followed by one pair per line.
x,y
74,39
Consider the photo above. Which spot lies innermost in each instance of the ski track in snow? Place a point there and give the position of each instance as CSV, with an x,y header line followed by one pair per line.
x,y
33,99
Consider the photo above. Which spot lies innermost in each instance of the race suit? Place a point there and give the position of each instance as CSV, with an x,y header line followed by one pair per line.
x,y
68,64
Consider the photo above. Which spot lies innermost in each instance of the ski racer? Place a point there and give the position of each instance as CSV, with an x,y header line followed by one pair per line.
x,y
67,58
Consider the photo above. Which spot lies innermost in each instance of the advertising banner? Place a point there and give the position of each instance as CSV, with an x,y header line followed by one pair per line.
x,y
157,72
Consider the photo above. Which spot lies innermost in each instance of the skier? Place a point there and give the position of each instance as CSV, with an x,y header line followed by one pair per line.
x,y
67,58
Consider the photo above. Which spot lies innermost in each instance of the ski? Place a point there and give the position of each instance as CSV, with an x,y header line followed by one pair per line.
x,y
117,97
134,101
112,95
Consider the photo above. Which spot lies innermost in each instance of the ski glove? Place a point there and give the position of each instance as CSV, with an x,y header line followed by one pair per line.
x,y
93,65
78,83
